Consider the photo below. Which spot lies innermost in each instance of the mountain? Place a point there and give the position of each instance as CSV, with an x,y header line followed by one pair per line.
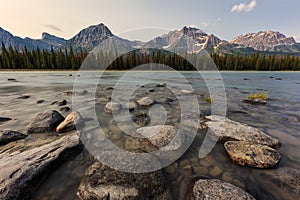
x,y
46,42
96,35
188,39
267,41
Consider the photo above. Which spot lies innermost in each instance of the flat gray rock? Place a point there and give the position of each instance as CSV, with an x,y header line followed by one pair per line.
x,y
212,189
22,172
252,155
228,130
101,182
10,136
44,122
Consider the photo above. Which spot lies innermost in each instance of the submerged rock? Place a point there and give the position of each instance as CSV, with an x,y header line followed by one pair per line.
x,y
45,122
72,121
162,135
284,179
252,155
102,182
211,189
23,172
112,107
228,130
10,136
145,101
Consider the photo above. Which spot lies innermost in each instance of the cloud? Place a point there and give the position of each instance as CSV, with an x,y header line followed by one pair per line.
x,y
53,27
243,7
205,24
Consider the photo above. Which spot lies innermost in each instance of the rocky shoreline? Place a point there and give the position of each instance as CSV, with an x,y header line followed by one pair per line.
x,y
26,165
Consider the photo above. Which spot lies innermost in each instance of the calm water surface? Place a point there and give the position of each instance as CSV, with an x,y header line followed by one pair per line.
x,y
279,118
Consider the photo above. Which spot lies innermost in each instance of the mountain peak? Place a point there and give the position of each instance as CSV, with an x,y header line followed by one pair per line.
x,y
191,31
264,40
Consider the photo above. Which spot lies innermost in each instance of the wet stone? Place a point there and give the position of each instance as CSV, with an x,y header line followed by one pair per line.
x,y
252,155
211,189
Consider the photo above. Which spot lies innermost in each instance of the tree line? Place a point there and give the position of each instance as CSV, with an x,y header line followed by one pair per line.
x,y
65,59
13,58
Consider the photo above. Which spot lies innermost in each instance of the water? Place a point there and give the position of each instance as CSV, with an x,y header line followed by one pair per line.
x,y
279,118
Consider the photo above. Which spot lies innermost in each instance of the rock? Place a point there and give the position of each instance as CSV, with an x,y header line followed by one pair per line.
x,y
11,79
131,106
4,119
161,85
211,189
64,109
72,121
162,135
28,169
112,107
24,97
101,182
77,93
278,78
255,101
186,92
215,172
60,103
44,122
284,179
151,90
145,101
228,130
70,75
40,101
141,119
252,155
103,99
10,136
271,76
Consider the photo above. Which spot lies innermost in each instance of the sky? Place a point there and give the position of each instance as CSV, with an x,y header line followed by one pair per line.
x,y
145,19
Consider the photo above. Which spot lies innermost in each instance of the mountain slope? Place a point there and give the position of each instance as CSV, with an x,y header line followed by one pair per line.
x,y
188,39
265,41
46,42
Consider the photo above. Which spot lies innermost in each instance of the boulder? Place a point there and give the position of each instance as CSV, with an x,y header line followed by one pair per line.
x,y
162,135
284,179
252,155
10,136
102,182
45,122
211,189
228,130
145,101
72,121
23,172
112,107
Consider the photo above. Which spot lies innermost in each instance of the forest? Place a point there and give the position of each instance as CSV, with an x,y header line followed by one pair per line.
x,y
67,59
